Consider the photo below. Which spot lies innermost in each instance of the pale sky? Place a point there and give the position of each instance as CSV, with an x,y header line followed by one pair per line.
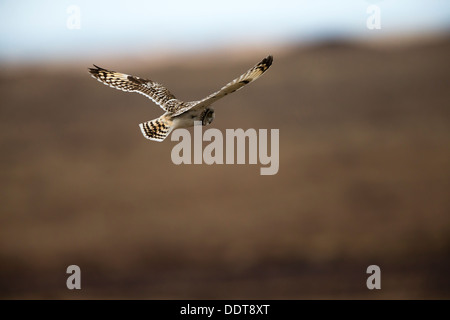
x,y
38,30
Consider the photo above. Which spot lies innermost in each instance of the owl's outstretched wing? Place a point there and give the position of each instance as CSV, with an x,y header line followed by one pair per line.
x,y
251,75
152,90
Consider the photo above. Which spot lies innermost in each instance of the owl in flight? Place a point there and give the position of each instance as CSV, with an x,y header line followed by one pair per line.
x,y
178,114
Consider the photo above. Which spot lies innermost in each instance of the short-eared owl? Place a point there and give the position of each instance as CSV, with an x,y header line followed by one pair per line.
x,y
178,114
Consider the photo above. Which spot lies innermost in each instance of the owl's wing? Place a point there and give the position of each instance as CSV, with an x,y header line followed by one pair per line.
x,y
152,90
251,75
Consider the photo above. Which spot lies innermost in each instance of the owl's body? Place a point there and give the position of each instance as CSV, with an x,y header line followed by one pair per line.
x,y
179,114
187,119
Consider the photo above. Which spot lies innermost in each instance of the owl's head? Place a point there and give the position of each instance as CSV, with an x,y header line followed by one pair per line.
x,y
208,116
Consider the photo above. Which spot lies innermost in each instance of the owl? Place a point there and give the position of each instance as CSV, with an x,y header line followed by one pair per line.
x,y
178,113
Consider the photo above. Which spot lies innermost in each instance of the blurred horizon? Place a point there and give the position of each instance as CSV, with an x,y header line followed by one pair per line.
x,y
43,31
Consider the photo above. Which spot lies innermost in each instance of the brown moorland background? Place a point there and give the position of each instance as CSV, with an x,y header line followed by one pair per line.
x,y
364,179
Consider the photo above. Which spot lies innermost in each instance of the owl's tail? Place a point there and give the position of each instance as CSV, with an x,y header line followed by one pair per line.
x,y
157,129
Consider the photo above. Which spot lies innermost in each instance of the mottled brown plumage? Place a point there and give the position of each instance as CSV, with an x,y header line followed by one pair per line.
x,y
178,114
